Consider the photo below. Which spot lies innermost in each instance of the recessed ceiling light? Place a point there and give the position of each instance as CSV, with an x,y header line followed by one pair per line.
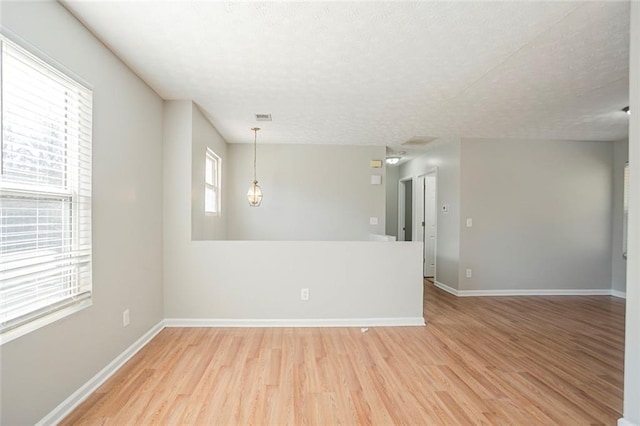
x,y
263,117
626,109
392,160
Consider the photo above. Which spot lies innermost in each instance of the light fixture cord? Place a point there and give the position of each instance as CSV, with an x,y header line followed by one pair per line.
x,y
255,150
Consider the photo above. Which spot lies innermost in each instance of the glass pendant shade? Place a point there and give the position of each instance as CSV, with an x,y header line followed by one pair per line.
x,y
254,195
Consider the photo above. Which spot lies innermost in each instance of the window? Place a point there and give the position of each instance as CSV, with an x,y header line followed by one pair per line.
x,y
213,163
45,193
625,219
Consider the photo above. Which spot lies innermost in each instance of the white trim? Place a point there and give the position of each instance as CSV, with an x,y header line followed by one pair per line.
x,y
623,422
76,398
446,288
535,292
542,292
618,293
43,321
303,322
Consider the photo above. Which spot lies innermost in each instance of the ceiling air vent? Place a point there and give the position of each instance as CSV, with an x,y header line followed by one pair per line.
x,y
419,141
263,117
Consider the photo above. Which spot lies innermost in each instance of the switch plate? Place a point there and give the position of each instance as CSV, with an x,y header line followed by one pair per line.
x,y
304,294
373,221
126,319
469,273
469,222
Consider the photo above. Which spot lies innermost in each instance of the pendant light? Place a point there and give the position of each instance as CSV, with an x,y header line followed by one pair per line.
x,y
254,195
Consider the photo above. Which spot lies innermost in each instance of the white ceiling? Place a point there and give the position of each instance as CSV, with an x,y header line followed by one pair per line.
x,y
381,73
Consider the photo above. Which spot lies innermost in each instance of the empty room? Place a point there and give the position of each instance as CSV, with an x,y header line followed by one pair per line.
x,y
344,212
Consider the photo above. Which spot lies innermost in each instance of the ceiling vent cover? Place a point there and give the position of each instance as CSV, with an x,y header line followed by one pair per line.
x,y
419,141
263,117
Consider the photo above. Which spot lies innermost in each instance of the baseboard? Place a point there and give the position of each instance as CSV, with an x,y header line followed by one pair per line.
x,y
76,398
313,322
623,422
544,292
446,288
620,294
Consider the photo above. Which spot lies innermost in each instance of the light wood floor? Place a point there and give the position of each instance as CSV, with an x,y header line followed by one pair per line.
x,y
508,360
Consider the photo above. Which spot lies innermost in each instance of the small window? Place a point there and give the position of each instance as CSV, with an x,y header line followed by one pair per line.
x,y
213,165
625,219
45,193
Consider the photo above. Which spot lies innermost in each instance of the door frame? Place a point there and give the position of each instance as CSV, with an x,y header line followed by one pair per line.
x,y
433,171
401,203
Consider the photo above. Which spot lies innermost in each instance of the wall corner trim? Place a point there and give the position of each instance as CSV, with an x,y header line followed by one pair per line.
x,y
618,293
447,288
76,398
302,322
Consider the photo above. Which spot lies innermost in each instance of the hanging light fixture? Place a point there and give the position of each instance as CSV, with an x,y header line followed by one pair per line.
x,y
254,195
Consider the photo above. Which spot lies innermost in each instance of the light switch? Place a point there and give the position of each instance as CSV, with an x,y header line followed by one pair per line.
x,y
373,221
469,222
376,179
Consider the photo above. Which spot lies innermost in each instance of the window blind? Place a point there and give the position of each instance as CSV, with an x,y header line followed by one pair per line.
x,y
45,189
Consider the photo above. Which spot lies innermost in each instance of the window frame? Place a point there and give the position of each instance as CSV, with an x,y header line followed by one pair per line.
x,y
213,181
625,208
69,264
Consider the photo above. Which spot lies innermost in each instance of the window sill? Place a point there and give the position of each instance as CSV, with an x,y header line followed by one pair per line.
x,y
41,322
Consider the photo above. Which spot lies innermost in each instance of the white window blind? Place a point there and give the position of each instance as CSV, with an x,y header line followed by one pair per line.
x,y
45,190
212,182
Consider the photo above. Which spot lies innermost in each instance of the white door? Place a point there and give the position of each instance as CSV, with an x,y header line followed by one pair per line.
x,y
430,225
418,208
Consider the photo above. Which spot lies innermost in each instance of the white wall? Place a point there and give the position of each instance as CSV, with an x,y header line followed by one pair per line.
x,y
206,226
445,157
632,330
41,369
618,263
262,279
311,192
542,214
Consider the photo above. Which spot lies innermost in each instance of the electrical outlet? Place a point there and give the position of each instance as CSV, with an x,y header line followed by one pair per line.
x,y
125,318
304,294
373,221
469,222
469,273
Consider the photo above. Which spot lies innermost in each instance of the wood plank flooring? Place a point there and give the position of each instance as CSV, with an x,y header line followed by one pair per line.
x,y
507,360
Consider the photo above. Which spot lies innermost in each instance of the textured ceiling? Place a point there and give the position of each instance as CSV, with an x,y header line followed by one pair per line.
x,y
381,73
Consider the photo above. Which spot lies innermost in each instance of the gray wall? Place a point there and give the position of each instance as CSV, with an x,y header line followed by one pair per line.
x,y
204,135
632,330
41,369
391,200
445,158
542,214
262,279
618,263
311,192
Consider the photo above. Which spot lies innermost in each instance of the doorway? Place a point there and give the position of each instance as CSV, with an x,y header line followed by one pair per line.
x,y
425,221
430,224
405,210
